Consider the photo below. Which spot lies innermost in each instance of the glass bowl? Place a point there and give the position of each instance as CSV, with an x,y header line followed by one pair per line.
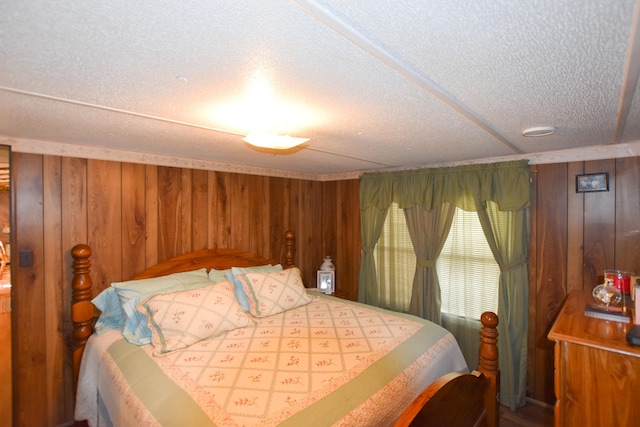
x,y
607,294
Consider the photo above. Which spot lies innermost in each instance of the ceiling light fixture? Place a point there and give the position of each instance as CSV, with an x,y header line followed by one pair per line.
x,y
273,141
539,131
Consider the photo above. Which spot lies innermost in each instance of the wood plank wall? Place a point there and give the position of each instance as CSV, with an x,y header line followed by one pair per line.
x,y
133,216
575,237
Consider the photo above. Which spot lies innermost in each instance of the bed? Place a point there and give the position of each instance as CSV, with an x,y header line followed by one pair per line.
x,y
291,356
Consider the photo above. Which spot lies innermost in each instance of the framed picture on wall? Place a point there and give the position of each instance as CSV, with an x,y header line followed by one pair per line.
x,y
590,182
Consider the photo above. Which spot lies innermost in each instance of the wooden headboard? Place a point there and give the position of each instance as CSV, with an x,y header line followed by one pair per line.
x,y
84,313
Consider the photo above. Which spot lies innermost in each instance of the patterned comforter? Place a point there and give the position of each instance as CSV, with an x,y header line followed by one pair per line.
x,y
331,362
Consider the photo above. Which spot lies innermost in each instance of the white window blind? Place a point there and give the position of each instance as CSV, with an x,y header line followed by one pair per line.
x,y
467,271
395,261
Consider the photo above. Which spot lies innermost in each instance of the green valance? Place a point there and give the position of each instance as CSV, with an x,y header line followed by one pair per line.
x,y
505,183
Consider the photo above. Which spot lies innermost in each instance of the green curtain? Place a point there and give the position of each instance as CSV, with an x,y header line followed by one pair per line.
x,y
506,185
466,330
428,231
379,188
507,234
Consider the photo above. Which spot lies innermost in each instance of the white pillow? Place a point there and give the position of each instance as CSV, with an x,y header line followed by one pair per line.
x,y
180,319
274,292
237,284
132,292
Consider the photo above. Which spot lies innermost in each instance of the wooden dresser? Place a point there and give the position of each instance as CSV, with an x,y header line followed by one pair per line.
x,y
597,373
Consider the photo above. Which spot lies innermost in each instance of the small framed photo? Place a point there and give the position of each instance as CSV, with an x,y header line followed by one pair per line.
x,y
326,282
590,182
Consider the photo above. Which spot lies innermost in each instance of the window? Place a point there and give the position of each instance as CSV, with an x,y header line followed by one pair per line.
x,y
395,261
467,270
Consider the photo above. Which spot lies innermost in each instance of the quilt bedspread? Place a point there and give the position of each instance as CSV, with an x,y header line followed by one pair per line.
x,y
330,362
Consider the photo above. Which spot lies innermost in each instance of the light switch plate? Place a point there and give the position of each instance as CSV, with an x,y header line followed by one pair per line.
x,y
25,258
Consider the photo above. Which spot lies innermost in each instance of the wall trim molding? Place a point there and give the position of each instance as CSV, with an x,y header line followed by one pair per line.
x,y
22,145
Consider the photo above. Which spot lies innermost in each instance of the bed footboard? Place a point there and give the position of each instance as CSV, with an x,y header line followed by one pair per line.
x,y
461,399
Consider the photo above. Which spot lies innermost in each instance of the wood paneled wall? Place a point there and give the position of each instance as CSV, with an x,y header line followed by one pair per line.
x,y
133,216
136,215
574,238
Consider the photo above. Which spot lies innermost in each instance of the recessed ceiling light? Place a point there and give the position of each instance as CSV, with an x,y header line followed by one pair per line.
x,y
539,131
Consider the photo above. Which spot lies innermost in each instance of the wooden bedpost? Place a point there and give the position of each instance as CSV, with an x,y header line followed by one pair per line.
x,y
289,251
488,365
476,393
82,310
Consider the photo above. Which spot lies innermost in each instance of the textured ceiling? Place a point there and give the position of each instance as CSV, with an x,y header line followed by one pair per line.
x,y
375,84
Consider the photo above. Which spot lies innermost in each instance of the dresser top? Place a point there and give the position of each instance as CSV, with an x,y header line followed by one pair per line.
x,y
574,327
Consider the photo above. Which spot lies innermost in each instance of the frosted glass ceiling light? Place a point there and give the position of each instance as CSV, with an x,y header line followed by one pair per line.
x,y
275,142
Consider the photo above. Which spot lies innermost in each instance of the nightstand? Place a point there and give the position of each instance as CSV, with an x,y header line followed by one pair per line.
x,y
338,293
597,373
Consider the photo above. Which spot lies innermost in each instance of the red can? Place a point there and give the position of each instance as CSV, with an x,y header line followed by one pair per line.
x,y
618,279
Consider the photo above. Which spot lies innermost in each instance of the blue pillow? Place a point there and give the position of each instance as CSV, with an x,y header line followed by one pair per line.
x,y
110,312
242,298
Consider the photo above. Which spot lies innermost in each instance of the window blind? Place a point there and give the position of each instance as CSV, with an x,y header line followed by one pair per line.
x,y
395,261
467,270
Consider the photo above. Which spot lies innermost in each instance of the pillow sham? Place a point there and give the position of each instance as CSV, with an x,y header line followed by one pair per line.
x,y
232,276
180,319
274,292
132,292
